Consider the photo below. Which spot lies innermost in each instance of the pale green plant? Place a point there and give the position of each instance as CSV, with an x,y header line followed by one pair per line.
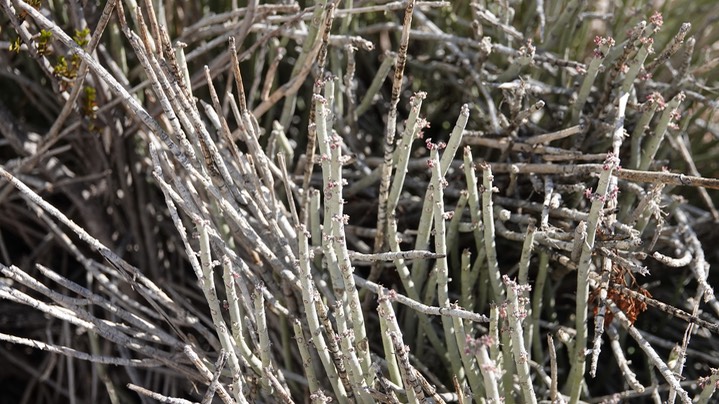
x,y
259,221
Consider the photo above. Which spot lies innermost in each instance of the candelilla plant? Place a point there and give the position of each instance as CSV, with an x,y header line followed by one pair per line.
x,y
358,202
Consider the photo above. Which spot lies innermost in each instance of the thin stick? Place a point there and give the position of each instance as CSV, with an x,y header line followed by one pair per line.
x,y
391,128
516,314
391,256
553,388
666,308
315,329
157,396
550,137
437,185
420,307
651,354
69,352
576,377
489,237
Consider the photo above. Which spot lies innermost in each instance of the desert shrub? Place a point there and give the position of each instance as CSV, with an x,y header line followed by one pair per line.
x,y
358,201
